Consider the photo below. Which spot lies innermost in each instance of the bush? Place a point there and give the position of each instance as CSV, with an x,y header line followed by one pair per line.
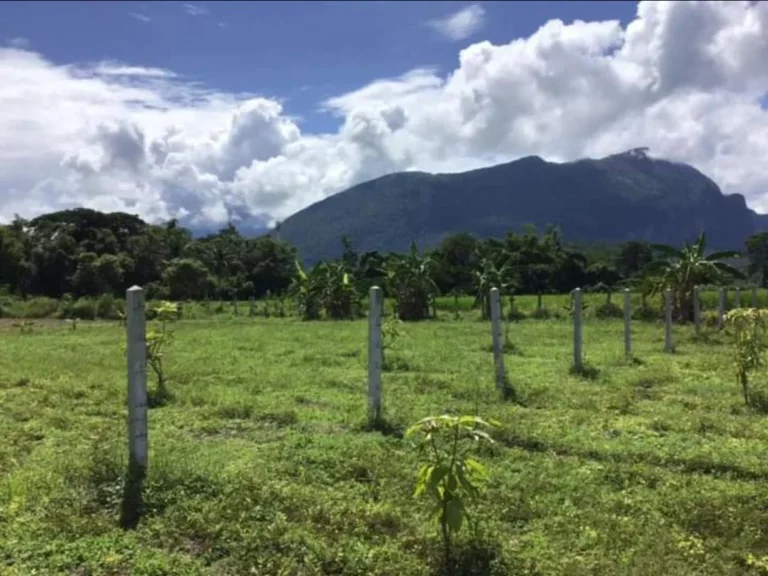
x,y
106,307
84,309
609,310
64,309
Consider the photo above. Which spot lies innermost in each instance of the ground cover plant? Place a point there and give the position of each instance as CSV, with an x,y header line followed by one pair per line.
x,y
261,462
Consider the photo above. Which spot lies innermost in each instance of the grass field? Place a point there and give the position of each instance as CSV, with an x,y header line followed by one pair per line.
x,y
261,464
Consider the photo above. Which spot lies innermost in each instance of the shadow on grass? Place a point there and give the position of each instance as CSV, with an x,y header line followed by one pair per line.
x,y
474,558
586,371
707,339
132,505
695,466
384,426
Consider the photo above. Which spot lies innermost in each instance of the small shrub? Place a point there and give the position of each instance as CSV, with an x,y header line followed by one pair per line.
x,y
751,328
66,303
158,340
390,333
40,307
105,307
609,310
449,476
709,318
84,309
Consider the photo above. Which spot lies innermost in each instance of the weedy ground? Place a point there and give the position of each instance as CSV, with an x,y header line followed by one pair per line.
x,y
261,462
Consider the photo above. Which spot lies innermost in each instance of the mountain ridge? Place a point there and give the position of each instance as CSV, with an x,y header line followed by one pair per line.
x,y
624,196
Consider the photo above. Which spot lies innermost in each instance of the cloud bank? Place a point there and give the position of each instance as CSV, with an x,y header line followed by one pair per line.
x,y
683,78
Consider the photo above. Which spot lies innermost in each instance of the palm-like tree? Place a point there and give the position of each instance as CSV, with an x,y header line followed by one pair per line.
x,y
680,270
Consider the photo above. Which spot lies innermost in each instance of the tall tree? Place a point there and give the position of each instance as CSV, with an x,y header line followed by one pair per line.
x,y
757,252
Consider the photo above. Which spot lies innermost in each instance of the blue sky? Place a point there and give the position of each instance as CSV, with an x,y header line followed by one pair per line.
x,y
301,52
217,111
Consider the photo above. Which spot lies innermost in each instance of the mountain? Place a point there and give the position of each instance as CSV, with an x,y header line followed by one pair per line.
x,y
627,196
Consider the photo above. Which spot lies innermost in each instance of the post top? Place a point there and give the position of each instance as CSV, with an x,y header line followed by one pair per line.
x,y
626,289
135,289
577,289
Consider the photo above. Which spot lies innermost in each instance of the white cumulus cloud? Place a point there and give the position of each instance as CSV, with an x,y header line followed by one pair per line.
x,y
683,78
461,24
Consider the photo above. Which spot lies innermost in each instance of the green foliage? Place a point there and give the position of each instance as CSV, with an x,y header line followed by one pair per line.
x,y
609,310
159,339
681,270
750,327
390,334
450,477
328,287
757,252
410,279
88,254
84,309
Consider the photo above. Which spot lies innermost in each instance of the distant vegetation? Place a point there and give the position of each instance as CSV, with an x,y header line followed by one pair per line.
x,y
83,254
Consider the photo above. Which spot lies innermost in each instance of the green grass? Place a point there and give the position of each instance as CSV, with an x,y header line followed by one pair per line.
x,y
261,462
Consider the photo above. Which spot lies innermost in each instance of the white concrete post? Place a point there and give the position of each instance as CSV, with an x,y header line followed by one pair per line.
x,y
668,321
577,341
252,306
721,308
627,324
697,309
737,298
374,353
137,376
498,342
754,297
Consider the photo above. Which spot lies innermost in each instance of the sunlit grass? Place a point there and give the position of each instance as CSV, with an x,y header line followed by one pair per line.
x,y
261,463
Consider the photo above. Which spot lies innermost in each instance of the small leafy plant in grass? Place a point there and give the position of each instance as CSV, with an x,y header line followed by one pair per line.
x,y
159,338
450,477
390,334
751,342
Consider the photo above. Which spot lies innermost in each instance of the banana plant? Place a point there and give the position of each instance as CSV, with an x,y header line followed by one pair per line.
x,y
680,270
490,276
307,293
410,279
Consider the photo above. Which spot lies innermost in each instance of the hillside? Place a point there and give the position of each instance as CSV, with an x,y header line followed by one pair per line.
x,y
626,196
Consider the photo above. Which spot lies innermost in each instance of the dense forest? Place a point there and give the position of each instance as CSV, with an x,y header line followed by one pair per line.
x,y
85,253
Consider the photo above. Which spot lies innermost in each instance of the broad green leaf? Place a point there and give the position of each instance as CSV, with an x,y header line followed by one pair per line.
x,y
454,514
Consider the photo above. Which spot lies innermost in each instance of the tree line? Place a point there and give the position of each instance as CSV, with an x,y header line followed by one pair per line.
x,y
86,253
